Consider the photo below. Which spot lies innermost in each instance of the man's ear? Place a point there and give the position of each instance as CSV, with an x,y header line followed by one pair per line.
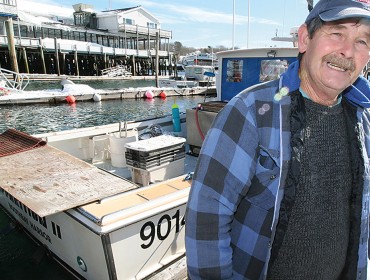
x,y
303,38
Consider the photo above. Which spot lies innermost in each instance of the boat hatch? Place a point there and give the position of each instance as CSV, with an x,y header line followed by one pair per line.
x,y
48,181
121,206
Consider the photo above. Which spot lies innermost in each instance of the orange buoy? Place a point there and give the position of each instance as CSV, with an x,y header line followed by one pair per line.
x,y
70,99
163,95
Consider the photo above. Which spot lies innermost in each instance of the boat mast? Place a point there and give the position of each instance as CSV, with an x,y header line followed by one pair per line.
x,y
233,37
249,15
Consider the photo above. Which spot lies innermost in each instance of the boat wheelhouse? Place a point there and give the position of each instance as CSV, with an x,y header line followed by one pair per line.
x,y
240,69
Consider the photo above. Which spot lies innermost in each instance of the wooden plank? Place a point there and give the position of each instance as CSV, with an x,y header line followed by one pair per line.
x,y
157,191
48,180
141,195
99,210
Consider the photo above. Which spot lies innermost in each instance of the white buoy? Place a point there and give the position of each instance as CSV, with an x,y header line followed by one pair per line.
x,y
97,97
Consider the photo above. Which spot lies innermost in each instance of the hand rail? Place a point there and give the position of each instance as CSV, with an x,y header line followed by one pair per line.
x,y
19,83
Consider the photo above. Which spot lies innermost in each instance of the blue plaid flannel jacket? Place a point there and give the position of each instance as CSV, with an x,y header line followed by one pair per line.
x,y
242,177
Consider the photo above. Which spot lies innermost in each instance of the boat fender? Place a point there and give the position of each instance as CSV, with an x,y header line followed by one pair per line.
x,y
97,97
70,99
163,95
149,94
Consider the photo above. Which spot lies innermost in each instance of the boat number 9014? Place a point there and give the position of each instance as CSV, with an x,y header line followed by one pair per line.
x,y
148,231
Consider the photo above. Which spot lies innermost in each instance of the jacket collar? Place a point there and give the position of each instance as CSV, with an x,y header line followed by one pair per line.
x,y
358,94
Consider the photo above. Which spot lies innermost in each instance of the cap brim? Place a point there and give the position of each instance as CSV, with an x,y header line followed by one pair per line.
x,y
340,13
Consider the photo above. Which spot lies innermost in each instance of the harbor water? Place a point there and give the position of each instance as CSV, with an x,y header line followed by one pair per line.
x,y
42,118
20,257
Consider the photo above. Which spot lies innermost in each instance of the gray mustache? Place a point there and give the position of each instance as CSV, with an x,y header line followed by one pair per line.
x,y
343,63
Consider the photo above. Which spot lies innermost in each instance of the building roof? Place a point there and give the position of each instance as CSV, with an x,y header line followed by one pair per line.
x,y
122,9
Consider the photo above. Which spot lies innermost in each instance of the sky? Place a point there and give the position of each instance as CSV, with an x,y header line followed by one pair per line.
x,y
203,23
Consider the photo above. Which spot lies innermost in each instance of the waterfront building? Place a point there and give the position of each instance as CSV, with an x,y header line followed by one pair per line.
x,y
86,44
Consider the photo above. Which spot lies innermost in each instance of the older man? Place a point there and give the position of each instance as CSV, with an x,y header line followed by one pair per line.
x,y
282,193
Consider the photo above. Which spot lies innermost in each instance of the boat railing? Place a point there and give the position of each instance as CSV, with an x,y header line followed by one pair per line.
x,y
13,81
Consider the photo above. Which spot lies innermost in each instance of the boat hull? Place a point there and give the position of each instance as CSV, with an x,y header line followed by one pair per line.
x,y
132,248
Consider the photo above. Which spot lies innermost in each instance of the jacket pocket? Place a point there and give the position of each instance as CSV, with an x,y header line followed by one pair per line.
x,y
265,182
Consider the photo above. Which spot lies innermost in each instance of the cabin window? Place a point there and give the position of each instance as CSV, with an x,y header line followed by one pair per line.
x,y
234,70
272,69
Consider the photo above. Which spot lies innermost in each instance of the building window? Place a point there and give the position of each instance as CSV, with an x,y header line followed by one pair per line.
x,y
129,21
9,2
151,25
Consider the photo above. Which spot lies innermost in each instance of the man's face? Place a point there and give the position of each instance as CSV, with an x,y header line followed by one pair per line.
x,y
334,57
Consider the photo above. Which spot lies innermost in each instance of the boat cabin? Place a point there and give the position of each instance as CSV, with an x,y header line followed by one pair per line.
x,y
240,69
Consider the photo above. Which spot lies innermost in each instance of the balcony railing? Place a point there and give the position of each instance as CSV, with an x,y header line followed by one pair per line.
x,y
142,30
81,47
8,7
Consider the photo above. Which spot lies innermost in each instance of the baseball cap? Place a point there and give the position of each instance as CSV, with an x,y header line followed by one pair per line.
x,y
331,10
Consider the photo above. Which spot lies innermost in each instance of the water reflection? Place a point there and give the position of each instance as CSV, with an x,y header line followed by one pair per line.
x,y
34,119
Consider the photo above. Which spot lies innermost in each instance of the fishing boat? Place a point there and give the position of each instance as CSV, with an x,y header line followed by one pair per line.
x,y
73,196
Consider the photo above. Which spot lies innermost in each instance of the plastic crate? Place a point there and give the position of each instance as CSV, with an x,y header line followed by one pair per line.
x,y
154,146
159,173
145,162
155,162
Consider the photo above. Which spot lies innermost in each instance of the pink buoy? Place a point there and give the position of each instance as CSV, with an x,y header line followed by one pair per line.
x,y
163,95
70,99
149,94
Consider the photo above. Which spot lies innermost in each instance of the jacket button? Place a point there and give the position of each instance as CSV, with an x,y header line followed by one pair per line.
x,y
272,177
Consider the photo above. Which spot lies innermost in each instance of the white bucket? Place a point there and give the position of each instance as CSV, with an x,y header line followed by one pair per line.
x,y
117,142
100,148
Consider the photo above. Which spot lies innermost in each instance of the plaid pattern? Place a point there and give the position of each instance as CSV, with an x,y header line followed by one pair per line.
x,y
238,186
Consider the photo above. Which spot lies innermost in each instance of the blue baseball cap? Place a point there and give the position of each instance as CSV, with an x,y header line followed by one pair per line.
x,y
331,10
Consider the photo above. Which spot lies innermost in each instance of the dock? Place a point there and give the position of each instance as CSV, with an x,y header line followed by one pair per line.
x,y
86,95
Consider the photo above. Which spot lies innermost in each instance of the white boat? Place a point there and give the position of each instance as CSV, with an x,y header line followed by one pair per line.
x,y
194,76
73,197
198,58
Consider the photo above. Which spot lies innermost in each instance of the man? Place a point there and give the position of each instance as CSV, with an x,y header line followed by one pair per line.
x,y
281,186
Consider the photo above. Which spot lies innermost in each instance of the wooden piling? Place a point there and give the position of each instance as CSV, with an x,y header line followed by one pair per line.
x,y
24,54
156,59
11,45
133,71
76,63
56,55
42,56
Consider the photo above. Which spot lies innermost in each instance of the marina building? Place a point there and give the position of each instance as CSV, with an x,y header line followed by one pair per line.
x,y
112,42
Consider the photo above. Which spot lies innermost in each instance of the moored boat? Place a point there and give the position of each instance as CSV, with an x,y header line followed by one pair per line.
x,y
84,210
